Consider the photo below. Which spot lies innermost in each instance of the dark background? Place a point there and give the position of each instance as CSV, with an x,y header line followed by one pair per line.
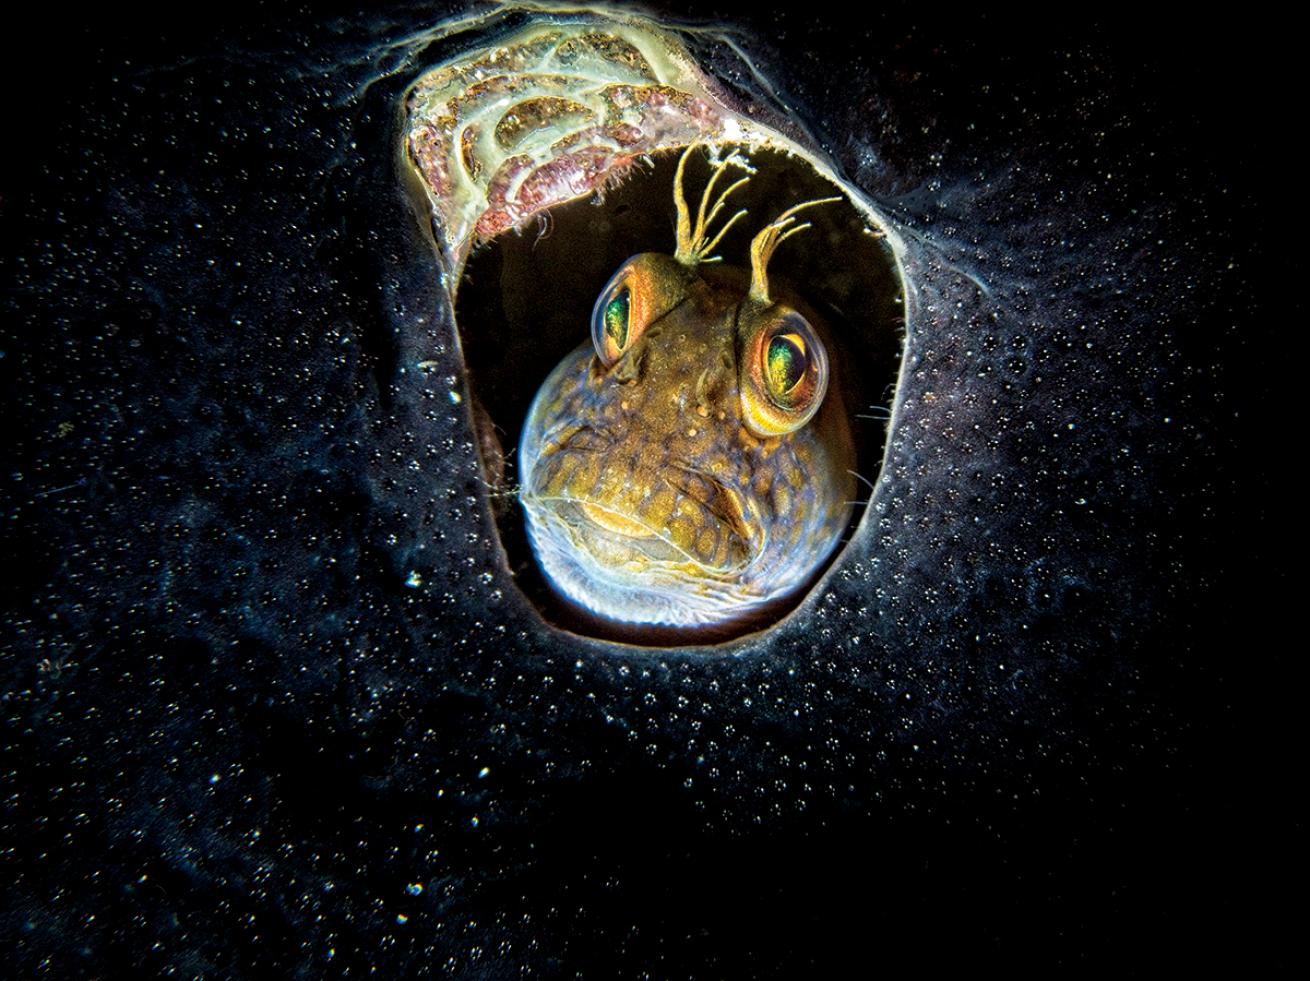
x,y
1011,730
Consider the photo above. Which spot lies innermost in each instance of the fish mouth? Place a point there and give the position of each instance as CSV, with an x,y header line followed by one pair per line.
x,y
619,540
615,541
640,579
686,518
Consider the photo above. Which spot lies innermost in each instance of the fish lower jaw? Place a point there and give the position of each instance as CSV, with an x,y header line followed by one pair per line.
x,y
617,539
632,579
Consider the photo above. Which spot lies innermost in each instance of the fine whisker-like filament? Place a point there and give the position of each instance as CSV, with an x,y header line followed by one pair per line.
x,y
867,482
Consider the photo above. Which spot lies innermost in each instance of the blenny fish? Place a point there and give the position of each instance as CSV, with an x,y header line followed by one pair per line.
x,y
686,466
688,470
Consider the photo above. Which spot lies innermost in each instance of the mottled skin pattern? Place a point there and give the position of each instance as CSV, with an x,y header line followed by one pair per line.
x,y
650,502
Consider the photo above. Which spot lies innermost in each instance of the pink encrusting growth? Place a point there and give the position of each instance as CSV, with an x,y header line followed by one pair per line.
x,y
551,114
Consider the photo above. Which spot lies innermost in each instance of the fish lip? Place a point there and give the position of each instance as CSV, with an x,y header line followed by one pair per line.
x,y
675,595
587,508
727,507
653,535
569,509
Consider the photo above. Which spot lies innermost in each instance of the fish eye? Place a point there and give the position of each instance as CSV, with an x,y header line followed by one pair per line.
x,y
611,320
618,318
645,288
784,373
785,362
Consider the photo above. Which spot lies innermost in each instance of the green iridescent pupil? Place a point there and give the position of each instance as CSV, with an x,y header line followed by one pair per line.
x,y
616,319
786,365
